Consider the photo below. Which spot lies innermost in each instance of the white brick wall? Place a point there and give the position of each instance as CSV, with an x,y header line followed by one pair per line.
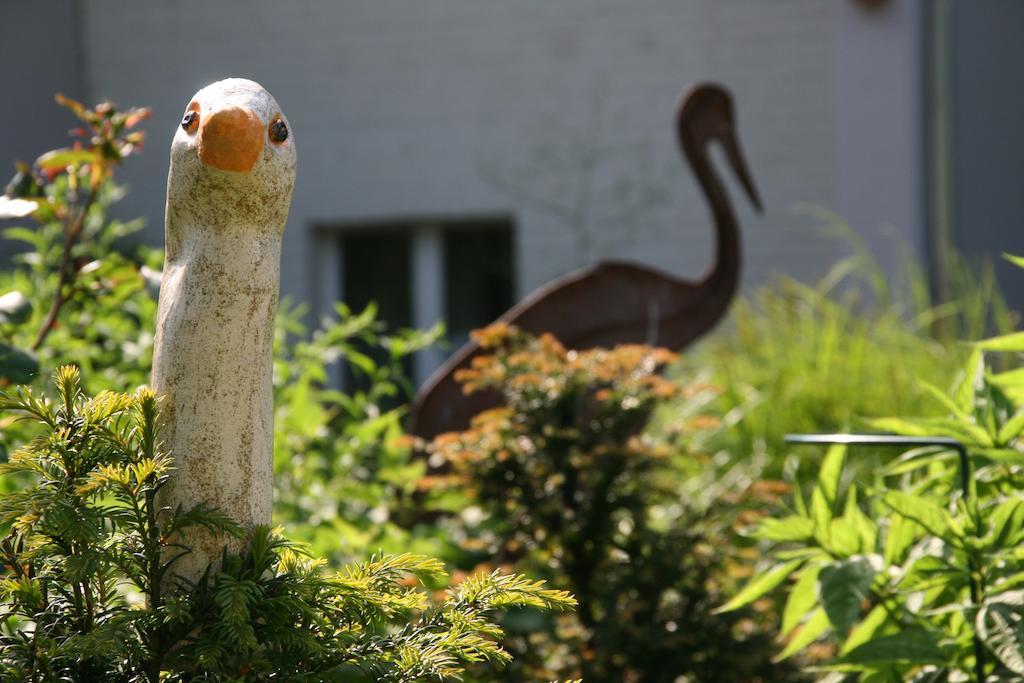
x,y
395,105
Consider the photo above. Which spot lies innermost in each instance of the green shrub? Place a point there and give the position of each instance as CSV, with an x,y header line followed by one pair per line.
x,y
563,482
88,590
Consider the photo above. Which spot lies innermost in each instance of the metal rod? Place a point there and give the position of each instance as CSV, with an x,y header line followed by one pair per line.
x,y
965,485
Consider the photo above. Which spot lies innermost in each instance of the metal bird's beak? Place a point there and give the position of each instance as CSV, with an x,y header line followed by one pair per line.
x,y
231,139
739,166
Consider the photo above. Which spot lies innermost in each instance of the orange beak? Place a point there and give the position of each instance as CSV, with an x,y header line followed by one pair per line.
x,y
231,140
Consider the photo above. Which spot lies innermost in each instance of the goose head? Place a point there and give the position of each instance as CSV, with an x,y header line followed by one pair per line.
x,y
232,160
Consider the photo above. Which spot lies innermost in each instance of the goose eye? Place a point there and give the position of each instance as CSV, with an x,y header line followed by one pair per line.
x,y
278,131
190,122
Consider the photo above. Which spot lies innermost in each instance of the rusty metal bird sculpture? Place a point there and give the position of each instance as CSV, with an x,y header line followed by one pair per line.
x,y
615,302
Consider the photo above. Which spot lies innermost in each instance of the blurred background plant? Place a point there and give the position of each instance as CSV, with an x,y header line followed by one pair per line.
x,y
825,357
74,287
563,481
344,474
77,294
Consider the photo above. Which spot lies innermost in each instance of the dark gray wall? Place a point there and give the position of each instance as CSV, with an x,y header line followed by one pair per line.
x,y
40,53
987,62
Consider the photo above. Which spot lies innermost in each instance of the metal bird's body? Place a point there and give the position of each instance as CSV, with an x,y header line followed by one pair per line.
x,y
615,302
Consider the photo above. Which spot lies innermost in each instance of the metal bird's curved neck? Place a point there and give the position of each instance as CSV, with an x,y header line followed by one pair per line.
x,y
722,278
723,275
706,115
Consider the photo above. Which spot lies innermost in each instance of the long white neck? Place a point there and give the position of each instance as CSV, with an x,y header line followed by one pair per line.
x,y
212,363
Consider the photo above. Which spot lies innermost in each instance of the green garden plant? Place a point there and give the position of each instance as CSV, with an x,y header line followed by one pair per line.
x,y
344,472
75,294
88,592
904,574
563,482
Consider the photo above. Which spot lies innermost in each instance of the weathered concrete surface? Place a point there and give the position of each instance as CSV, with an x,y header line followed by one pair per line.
x,y
214,339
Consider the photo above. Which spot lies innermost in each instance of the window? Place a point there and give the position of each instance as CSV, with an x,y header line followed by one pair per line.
x,y
375,268
460,272
477,279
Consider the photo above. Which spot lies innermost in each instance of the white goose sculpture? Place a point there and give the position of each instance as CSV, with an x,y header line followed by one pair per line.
x,y
228,191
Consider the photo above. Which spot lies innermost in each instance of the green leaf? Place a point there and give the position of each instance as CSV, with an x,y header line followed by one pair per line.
x,y
364,363
204,516
1011,581
999,625
866,528
824,495
917,458
966,388
809,554
866,629
843,537
798,498
1007,456
831,470
843,587
923,511
994,409
58,159
1012,428
27,235
791,528
1005,523
761,585
955,429
812,629
927,572
1010,381
901,534
945,401
821,516
15,308
801,600
909,646
306,415
17,366
902,426
1006,342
